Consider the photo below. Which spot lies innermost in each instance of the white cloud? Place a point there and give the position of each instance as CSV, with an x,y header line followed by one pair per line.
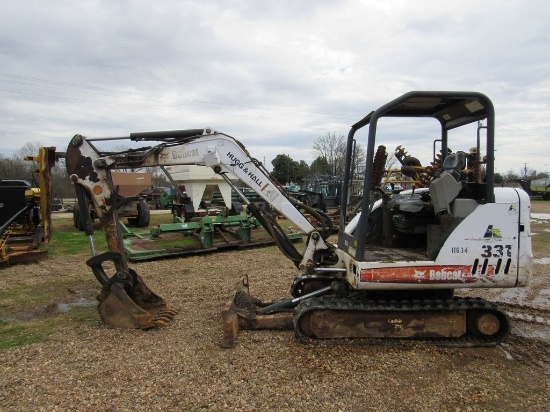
x,y
275,75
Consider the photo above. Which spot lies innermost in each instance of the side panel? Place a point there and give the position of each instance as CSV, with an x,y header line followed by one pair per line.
x,y
525,258
487,241
491,247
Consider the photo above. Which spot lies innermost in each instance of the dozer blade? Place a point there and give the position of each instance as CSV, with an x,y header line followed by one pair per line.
x,y
126,302
244,312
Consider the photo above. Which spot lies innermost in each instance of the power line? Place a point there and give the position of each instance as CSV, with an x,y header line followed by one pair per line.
x,y
181,106
65,86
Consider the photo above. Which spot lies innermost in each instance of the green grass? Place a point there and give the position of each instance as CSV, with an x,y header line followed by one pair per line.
x,y
83,314
12,335
20,298
70,243
40,327
32,310
67,240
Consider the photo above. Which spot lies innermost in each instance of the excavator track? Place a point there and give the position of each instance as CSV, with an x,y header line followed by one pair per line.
x,y
456,322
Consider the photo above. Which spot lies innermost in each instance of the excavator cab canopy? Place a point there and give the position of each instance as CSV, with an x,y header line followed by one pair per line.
x,y
452,110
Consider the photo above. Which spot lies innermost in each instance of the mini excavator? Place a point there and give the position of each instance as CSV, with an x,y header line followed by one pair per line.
x,y
395,265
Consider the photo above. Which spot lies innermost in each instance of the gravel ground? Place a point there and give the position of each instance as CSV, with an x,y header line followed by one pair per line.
x,y
87,366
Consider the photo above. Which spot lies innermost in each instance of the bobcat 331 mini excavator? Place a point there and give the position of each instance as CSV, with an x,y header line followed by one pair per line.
x,y
395,265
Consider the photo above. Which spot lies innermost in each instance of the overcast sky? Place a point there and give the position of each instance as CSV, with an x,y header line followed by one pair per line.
x,y
274,74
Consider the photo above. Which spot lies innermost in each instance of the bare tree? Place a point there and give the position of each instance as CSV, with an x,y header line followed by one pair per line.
x,y
359,162
510,176
333,149
16,168
27,169
28,149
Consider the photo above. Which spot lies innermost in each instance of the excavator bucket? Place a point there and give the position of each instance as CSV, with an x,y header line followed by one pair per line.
x,y
245,312
126,302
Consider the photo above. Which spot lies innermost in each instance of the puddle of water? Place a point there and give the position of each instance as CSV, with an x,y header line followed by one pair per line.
x,y
82,302
514,295
540,217
528,330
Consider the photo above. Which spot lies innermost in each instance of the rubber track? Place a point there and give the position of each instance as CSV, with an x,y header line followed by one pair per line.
x,y
451,305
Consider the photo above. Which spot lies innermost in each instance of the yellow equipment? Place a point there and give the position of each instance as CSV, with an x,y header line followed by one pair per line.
x,y
25,212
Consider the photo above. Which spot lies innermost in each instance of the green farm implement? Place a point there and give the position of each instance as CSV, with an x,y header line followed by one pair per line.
x,y
207,234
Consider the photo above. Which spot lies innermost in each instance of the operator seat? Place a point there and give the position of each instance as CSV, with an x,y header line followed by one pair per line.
x,y
446,188
454,164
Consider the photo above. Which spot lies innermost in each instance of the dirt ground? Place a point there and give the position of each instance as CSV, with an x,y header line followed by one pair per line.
x,y
87,366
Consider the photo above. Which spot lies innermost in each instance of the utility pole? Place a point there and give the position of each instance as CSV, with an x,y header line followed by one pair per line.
x,y
288,170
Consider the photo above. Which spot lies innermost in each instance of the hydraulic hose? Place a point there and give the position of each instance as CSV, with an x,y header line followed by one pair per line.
x,y
277,233
326,223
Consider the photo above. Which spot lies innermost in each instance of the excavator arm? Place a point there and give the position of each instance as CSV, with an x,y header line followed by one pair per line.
x,y
125,300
